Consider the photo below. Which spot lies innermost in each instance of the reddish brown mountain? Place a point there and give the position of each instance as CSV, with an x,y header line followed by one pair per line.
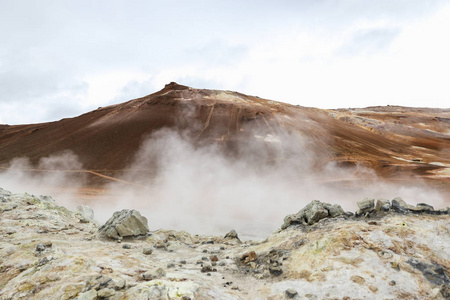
x,y
394,141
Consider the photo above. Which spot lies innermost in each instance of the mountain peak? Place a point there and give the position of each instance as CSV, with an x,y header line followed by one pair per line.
x,y
175,86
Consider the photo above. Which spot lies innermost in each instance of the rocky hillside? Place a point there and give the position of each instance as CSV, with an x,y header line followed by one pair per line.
x,y
395,142
386,250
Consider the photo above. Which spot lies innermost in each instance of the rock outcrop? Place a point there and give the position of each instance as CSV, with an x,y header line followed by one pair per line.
x,y
313,213
125,223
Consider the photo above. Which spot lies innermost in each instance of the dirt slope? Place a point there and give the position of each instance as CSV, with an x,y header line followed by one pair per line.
x,y
397,142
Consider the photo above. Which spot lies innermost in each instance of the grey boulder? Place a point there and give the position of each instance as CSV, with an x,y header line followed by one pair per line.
x,y
86,212
366,205
125,223
313,213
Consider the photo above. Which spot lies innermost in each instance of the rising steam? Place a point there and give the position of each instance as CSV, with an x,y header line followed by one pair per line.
x,y
180,185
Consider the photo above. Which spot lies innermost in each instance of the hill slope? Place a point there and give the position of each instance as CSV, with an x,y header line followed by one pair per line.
x,y
393,141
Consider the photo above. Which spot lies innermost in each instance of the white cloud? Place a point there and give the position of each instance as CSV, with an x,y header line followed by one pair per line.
x,y
314,53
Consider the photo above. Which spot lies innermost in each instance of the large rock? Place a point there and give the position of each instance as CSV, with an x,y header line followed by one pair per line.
x,y
383,205
313,213
86,212
125,223
366,205
399,205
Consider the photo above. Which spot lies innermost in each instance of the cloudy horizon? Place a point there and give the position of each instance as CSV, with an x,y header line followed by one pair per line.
x,y
63,58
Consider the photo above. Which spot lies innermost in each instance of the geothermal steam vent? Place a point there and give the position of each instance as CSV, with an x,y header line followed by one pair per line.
x,y
176,176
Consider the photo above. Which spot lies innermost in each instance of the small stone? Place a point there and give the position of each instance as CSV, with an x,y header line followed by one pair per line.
x,y
291,293
185,298
348,214
395,266
40,247
357,279
10,230
170,265
183,262
214,258
222,263
206,268
161,245
205,251
89,295
232,235
249,257
48,244
120,284
127,246
275,271
150,275
392,283
373,289
147,251
43,261
385,254
105,293
445,291
425,207
147,276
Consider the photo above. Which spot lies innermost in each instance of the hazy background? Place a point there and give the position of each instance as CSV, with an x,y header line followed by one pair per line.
x,y
62,58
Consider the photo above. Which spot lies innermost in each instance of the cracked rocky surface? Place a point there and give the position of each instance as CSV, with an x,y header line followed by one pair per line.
x,y
50,252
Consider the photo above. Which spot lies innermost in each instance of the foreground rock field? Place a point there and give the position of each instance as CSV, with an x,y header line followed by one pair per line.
x,y
388,250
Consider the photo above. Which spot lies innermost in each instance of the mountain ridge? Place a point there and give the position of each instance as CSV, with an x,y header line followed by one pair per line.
x,y
393,141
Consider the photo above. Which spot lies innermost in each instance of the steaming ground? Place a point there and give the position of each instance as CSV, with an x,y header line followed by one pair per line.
x,y
178,184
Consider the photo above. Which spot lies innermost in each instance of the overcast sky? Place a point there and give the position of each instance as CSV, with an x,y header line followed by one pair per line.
x,y
63,58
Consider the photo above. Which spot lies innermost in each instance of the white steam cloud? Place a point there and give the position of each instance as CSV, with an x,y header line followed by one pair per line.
x,y
199,189
57,175
178,184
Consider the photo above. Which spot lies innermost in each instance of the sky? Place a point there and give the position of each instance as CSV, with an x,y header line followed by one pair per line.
x,y
63,58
